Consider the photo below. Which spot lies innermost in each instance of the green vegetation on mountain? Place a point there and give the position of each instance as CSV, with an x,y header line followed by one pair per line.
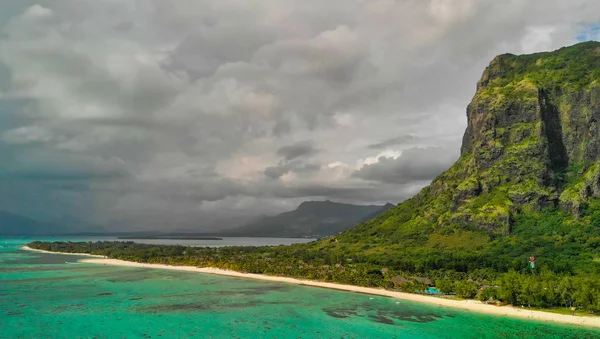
x,y
312,219
527,183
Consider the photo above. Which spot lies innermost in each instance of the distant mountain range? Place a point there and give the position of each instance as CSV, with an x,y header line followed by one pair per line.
x,y
16,225
312,219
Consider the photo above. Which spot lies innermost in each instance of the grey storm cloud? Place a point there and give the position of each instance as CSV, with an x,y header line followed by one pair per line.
x,y
401,140
291,162
415,164
292,152
276,172
196,114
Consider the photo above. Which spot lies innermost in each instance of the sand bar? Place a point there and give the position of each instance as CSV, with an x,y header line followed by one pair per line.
x,y
467,305
27,248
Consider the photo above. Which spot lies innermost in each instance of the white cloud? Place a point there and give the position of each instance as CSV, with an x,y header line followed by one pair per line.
x,y
37,12
449,11
537,38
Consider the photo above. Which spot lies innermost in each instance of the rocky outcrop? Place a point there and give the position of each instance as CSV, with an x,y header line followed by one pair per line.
x,y
531,142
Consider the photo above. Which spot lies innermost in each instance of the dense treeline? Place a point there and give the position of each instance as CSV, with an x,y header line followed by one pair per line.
x,y
279,260
461,261
560,242
531,288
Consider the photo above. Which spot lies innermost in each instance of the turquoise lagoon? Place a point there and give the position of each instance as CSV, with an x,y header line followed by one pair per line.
x,y
53,296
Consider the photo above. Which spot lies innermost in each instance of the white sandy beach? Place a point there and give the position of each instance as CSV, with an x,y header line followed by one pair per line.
x,y
468,305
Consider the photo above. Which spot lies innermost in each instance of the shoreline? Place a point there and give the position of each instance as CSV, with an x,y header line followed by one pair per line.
x,y
27,248
465,305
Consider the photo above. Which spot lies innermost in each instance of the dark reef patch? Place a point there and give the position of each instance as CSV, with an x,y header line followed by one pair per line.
x,y
14,313
204,306
340,313
252,291
125,278
384,316
381,319
39,281
66,308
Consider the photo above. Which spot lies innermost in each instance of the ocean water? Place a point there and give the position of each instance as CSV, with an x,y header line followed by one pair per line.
x,y
226,241
53,296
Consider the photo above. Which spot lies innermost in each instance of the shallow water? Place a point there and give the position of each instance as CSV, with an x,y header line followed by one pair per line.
x,y
52,296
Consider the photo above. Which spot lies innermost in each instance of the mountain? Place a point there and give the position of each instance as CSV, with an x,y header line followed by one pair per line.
x,y
527,181
379,212
14,224
71,224
311,219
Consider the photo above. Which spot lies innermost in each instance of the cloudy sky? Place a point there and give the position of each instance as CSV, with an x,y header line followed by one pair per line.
x,y
196,114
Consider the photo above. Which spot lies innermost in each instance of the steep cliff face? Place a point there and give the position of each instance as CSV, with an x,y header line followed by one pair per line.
x,y
532,133
532,142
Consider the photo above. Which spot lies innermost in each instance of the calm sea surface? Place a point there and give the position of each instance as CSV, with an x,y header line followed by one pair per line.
x,y
53,296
